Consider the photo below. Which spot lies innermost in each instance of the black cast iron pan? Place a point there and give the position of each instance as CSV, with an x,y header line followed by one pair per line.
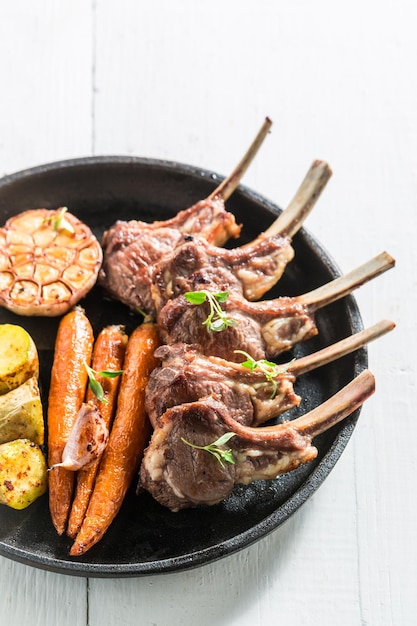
x,y
145,538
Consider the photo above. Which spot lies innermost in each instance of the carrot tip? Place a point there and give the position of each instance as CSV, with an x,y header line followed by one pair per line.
x,y
77,550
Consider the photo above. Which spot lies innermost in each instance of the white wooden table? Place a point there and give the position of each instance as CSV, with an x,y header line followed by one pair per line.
x,y
192,81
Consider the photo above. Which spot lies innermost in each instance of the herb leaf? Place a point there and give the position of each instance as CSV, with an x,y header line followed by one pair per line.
x,y
221,296
93,383
217,319
214,448
196,297
270,370
109,373
97,390
223,439
59,222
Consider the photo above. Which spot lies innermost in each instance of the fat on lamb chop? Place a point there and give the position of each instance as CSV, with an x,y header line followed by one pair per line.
x,y
252,269
131,248
253,395
179,472
263,329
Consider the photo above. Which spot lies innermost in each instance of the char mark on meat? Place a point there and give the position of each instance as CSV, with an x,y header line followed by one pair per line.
x,y
180,475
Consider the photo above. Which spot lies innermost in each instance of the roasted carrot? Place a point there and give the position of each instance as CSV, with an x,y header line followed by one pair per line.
x,y
108,355
128,437
73,348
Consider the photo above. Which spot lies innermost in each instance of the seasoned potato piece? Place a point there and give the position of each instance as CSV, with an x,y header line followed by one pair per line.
x,y
23,473
21,414
18,357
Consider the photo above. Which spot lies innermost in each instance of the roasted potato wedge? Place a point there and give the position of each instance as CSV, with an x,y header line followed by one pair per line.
x,y
23,473
21,414
18,357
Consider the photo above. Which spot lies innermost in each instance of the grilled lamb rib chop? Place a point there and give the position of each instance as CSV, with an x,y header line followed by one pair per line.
x,y
251,269
263,329
186,375
132,248
179,475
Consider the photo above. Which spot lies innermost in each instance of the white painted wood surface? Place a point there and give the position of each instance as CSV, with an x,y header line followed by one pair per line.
x,y
191,81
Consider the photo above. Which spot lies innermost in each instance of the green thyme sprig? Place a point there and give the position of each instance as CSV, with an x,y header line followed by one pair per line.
x,y
214,448
59,221
269,369
217,319
93,383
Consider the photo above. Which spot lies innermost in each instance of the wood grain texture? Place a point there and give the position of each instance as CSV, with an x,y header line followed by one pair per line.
x,y
192,82
46,66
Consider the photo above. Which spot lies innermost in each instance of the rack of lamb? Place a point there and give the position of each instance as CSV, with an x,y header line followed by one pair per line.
x,y
216,385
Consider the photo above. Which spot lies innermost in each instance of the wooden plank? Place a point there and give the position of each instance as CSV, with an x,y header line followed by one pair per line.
x,y
46,68
45,59
192,82
32,597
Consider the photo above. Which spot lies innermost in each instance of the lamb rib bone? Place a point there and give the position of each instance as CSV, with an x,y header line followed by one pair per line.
x,y
289,222
263,329
249,270
344,285
186,375
212,208
180,475
316,421
326,355
225,189
314,300
218,228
